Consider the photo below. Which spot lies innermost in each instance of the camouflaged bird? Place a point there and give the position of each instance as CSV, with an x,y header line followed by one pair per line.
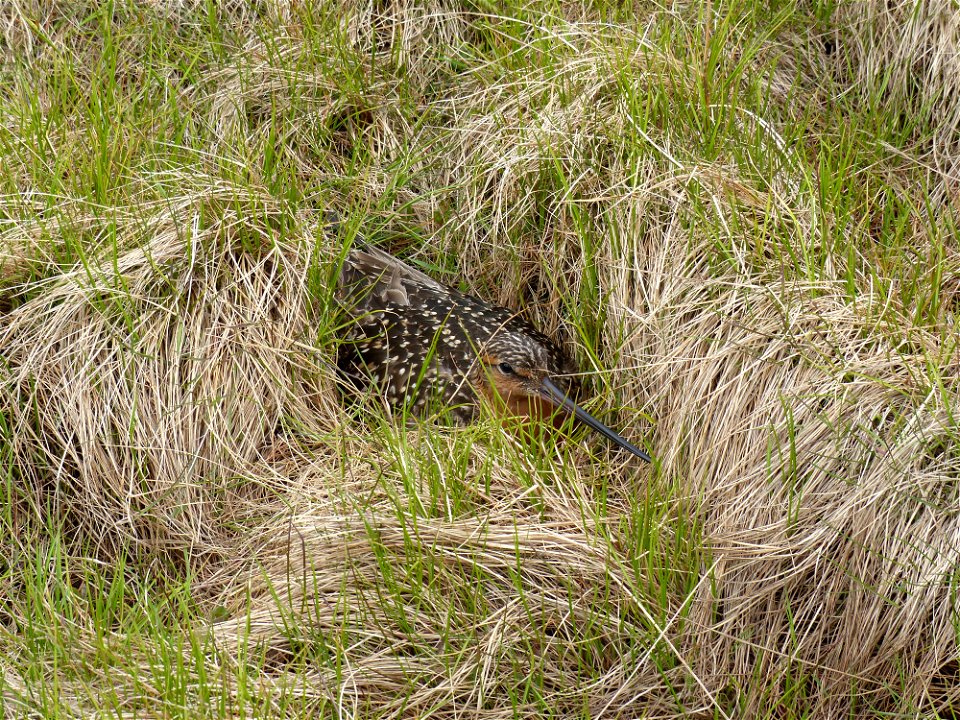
x,y
415,340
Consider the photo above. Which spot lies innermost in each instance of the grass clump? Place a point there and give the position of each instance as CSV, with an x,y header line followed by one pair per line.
x,y
738,217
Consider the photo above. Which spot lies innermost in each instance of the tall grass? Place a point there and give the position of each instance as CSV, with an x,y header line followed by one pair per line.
x,y
739,217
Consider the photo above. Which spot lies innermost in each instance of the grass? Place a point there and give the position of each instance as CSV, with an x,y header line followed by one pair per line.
x,y
739,217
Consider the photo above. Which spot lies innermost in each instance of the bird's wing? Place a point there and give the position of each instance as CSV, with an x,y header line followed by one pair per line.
x,y
372,280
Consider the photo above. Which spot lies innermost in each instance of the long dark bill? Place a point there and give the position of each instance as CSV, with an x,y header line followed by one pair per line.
x,y
558,397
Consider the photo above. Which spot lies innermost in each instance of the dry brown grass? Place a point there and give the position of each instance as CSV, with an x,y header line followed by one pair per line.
x,y
906,56
170,400
136,382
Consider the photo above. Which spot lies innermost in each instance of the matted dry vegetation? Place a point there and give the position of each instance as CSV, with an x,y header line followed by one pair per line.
x,y
741,220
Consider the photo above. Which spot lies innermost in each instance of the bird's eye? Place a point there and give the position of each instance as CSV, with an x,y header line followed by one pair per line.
x,y
505,368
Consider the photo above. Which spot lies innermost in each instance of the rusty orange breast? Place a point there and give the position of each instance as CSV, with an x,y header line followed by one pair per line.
x,y
534,408
511,399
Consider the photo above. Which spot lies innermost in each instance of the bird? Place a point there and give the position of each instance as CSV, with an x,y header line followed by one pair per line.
x,y
416,341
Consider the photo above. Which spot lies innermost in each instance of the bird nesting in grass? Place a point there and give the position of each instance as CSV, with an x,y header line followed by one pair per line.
x,y
413,340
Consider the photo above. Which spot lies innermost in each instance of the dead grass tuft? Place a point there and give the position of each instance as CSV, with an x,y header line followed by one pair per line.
x,y
905,55
147,383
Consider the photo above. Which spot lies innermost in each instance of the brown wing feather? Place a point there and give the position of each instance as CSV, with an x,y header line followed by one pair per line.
x,y
371,280
403,338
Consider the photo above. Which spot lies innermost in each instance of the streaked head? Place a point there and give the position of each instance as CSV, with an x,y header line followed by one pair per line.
x,y
532,378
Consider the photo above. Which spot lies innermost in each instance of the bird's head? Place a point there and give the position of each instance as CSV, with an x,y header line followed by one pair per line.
x,y
530,377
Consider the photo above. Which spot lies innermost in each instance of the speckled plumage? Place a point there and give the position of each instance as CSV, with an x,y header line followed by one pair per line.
x,y
416,338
